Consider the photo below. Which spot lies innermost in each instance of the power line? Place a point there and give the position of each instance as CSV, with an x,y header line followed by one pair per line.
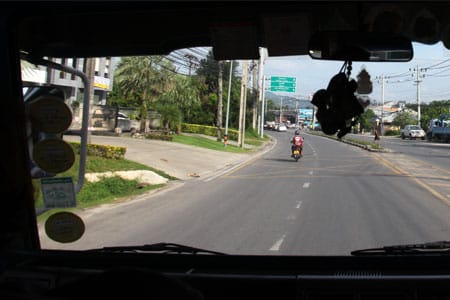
x,y
178,62
441,67
444,75
196,52
440,63
441,71
407,73
399,81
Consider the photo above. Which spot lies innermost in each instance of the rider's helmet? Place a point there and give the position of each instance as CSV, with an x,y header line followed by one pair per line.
x,y
297,132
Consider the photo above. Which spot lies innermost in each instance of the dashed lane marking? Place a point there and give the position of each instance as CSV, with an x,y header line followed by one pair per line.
x,y
277,245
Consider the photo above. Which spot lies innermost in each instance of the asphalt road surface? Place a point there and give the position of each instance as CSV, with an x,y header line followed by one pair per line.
x,y
335,199
437,154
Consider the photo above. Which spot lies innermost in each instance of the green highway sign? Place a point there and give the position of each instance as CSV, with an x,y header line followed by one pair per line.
x,y
283,79
282,89
283,84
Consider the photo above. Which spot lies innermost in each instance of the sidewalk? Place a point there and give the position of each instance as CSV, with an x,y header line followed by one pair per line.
x,y
178,160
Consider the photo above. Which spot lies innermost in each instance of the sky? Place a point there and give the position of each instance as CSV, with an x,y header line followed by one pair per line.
x,y
312,75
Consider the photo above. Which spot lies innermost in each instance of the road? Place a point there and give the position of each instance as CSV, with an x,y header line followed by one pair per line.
x,y
337,198
437,154
425,162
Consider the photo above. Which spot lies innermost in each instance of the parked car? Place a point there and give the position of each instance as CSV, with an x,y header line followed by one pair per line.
x,y
282,127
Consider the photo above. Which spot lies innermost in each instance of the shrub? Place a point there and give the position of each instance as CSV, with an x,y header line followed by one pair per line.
x,y
392,132
106,151
207,130
162,137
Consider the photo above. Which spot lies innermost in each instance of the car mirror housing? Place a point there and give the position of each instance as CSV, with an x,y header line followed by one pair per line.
x,y
358,46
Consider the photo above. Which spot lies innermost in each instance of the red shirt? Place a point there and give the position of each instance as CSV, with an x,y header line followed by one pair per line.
x,y
297,140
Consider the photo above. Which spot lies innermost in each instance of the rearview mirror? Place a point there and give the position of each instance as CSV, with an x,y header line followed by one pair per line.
x,y
358,46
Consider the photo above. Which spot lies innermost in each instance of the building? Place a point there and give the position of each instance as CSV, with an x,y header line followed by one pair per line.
x,y
72,84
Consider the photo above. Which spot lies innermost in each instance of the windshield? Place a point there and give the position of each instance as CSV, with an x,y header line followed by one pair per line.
x,y
189,150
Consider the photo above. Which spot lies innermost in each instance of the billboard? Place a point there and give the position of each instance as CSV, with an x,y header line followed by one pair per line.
x,y
305,113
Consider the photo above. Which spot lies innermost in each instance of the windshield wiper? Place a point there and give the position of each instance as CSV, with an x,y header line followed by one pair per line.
x,y
164,248
440,247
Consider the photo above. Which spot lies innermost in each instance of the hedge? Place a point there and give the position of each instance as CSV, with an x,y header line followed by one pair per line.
x,y
161,137
208,130
106,151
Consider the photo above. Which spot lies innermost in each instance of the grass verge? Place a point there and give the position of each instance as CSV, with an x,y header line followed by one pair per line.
x,y
251,138
204,142
368,144
105,190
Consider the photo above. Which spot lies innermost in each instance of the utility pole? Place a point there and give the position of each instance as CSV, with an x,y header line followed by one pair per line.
x,y
90,73
242,104
281,109
228,99
381,80
382,105
220,103
418,93
254,89
192,61
263,109
261,91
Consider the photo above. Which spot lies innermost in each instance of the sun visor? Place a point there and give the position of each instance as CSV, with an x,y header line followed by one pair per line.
x,y
235,41
286,35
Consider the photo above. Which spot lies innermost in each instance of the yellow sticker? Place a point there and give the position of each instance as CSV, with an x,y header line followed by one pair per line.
x,y
64,227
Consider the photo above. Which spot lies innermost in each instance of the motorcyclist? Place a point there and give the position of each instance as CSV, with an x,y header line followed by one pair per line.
x,y
297,142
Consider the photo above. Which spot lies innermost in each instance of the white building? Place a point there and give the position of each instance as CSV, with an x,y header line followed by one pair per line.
x,y
72,84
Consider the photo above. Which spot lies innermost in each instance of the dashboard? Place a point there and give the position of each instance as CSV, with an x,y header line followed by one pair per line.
x,y
155,276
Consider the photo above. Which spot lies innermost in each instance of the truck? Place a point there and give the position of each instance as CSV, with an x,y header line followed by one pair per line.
x,y
439,129
412,132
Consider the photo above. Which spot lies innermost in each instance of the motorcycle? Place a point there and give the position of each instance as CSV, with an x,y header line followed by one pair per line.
x,y
296,153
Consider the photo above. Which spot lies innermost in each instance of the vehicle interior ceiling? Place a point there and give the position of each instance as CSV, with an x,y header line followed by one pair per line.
x,y
234,30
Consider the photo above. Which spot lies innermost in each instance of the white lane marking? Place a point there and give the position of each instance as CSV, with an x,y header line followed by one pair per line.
x,y
306,185
299,204
311,172
277,245
291,217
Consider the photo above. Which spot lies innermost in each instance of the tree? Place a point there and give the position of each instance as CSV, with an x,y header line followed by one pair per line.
x,y
208,75
404,118
185,95
171,116
209,70
142,79
431,111
366,119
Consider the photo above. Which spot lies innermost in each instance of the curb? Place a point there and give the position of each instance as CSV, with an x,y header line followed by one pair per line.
x,y
364,147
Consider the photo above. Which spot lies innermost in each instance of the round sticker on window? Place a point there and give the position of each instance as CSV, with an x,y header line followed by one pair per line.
x,y
64,227
53,155
50,114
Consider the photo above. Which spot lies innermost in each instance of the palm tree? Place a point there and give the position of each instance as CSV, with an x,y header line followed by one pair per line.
x,y
184,94
144,78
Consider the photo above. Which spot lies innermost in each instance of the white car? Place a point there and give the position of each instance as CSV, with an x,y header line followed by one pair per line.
x,y
412,132
282,127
